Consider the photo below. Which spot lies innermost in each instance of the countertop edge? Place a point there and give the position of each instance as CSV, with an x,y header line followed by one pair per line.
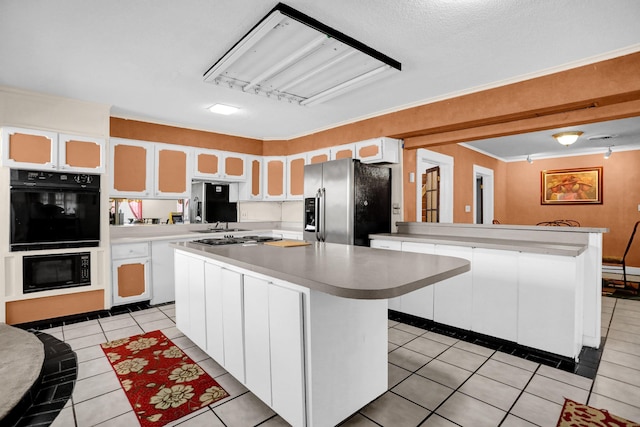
x,y
548,248
343,292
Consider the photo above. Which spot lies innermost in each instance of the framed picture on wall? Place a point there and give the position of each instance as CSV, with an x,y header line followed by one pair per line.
x,y
571,186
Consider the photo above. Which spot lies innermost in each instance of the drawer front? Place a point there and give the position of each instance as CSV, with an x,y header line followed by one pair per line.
x,y
129,250
392,245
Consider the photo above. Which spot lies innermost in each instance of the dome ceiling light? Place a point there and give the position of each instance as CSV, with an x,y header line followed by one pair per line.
x,y
567,138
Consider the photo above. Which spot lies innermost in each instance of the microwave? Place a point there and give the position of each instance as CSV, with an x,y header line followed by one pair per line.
x,y
46,272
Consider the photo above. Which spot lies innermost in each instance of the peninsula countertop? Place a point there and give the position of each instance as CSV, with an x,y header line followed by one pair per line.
x,y
341,270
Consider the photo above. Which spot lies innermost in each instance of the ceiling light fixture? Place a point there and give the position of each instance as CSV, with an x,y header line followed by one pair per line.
x,y
567,138
529,159
223,109
292,57
608,153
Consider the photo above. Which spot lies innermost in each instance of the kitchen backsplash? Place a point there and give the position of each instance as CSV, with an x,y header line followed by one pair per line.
x,y
290,211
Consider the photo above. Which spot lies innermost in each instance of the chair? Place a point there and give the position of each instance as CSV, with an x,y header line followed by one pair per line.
x,y
561,223
621,260
495,221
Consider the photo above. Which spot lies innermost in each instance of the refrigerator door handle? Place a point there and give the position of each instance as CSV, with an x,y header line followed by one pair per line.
x,y
323,197
317,211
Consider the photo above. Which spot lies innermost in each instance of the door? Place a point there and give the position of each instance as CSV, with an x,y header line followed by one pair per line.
x,y
479,199
337,205
431,195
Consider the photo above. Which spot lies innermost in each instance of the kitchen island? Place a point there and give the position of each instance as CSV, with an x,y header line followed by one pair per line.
x,y
304,328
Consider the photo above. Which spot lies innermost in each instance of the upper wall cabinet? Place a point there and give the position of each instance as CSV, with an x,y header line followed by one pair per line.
x,y
295,176
318,156
378,150
148,170
251,187
172,168
275,177
220,165
133,168
346,151
34,149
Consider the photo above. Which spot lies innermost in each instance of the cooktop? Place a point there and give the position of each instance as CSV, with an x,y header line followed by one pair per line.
x,y
234,240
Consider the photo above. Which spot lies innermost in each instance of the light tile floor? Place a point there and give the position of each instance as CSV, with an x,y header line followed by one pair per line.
x,y
434,380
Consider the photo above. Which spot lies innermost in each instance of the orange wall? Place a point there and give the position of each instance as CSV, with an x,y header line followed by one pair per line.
x,y
143,131
620,198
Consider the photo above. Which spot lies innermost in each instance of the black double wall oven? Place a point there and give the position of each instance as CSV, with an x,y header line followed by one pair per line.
x,y
52,210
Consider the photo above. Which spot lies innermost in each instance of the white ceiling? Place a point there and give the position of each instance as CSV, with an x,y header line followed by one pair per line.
x,y
146,58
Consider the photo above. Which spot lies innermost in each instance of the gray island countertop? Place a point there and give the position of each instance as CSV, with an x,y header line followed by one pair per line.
x,y
341,270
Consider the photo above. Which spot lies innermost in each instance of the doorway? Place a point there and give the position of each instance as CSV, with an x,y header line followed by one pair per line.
x,y
431,195
482,195
428,160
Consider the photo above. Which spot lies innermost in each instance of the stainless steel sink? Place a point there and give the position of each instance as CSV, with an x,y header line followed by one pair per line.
x,y
219,230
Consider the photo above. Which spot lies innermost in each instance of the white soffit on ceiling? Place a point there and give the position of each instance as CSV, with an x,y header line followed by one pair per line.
x,y
292,57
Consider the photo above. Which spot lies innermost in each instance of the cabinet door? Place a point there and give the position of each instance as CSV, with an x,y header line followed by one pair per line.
x,y
318,156
346,151
131,280
208,164
453,297
419,302
491,290
197,314
287,354
215,312
257,337
234,167
181,271
29,149
233,328
133,168
251,187
172,177
378,150
274,178
81,154
295,176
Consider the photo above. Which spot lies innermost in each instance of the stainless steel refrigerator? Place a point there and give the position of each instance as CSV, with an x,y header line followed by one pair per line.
x,y
345,201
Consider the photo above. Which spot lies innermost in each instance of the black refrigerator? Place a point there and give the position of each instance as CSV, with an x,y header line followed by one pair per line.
x,y
345,201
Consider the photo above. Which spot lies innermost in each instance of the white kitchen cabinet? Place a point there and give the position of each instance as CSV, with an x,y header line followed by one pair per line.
x,y
215,312
295,176
132,169
257,337
162,274
172,179
275,177
219,165
390,245
345,151
143,170
233,327
130,278
549,296
251,188
287,354
190,298
491,290
378,150
181,279
453,296
420,302
42,150
318,156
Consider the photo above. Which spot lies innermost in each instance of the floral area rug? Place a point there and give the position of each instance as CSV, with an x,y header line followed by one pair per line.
x,y
578,415
160,381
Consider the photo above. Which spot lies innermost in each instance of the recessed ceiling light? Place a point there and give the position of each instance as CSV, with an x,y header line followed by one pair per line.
x,y
223,109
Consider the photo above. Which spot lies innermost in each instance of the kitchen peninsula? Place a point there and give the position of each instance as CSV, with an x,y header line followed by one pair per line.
x,y
537,286
304,328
